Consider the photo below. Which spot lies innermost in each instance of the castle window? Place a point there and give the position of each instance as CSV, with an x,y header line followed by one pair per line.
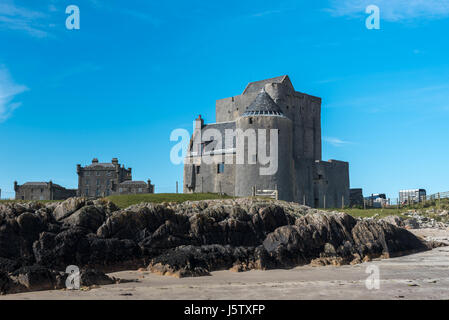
x,y
254,158
220,167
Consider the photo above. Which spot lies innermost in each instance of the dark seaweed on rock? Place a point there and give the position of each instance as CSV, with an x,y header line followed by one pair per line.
x,y
37,241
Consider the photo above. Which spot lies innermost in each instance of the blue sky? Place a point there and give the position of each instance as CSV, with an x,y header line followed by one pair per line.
x,y
136,70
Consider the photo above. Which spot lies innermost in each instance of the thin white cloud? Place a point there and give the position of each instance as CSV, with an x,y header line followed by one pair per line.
x,y
392,10
13,17
266,13
336,142
8,91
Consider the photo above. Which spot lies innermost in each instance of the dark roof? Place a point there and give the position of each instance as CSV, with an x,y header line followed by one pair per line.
x,y
221,127
44,184
104,165
128,182
263,105
41,184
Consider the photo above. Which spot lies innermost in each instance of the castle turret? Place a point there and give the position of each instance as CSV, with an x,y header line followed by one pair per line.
x,y
270,168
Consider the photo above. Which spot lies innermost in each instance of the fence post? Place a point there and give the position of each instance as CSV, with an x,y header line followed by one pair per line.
x,y
439,201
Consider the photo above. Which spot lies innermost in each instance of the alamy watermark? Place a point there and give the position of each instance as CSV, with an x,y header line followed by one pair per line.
x,y
373,20
211,146
373,280
73,279
73,20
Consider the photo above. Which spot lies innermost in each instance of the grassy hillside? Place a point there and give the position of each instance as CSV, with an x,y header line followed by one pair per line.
x,y
123,201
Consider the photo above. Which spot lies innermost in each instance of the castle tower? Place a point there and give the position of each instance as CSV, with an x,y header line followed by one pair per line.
x,y
264,113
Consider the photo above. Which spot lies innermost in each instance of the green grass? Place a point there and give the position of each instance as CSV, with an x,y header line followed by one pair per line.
x,y
393,210
124,201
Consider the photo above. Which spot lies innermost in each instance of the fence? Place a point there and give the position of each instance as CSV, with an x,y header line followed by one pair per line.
x,y
413,202
438,196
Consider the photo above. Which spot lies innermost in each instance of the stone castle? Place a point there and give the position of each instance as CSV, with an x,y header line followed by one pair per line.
x,y
94,180
301,177
104,179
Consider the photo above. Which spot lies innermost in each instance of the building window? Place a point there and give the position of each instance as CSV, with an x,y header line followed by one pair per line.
x,y
220,168
97,193
87,182
109,173
98,182
87,173
197,169
140,189
42,190
98,173
87,191
120,189
254,158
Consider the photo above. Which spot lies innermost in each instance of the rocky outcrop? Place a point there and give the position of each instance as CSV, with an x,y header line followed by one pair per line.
x,y
38,242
